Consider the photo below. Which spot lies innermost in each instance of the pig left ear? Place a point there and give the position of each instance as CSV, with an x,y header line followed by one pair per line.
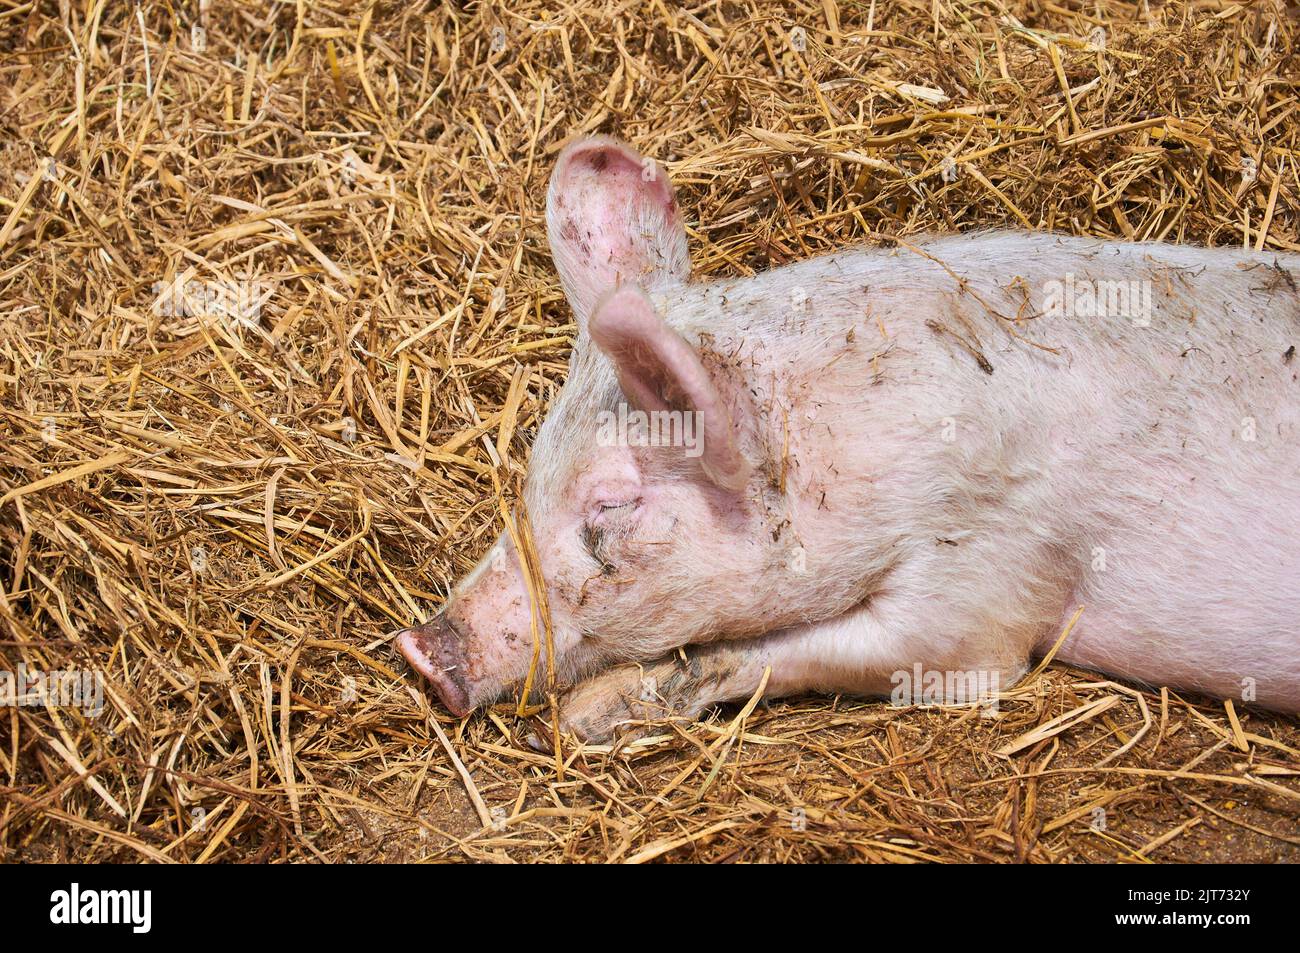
x,y
611,216
659,370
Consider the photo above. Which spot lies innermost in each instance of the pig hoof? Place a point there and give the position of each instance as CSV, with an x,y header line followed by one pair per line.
x,y
542,743
615,704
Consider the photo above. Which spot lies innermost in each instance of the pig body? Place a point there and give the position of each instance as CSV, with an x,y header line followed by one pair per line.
x,y
1145,466
919,459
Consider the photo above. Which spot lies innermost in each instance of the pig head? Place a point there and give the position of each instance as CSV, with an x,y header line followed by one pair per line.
x,y
647,479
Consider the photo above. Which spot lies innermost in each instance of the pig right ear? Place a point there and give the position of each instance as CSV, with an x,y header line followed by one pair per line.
x,y
658,370
611,217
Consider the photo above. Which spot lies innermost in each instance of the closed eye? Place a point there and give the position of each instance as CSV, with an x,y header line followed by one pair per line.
x,y
609,521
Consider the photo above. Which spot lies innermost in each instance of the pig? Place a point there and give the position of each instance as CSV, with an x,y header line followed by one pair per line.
x,y
885,463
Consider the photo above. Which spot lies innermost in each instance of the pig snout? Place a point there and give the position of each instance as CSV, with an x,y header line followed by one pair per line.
x,y
481,642
437,651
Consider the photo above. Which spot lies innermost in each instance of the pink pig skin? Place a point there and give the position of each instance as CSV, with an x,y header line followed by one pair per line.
x,y
928,455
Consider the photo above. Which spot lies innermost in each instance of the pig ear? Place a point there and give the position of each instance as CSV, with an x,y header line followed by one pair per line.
x,y
611,217
659,370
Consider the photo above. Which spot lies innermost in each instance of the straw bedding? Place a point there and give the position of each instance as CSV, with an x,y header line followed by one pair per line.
x,y
278,322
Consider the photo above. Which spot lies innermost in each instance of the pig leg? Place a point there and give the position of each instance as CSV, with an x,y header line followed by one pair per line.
x,y
850,654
